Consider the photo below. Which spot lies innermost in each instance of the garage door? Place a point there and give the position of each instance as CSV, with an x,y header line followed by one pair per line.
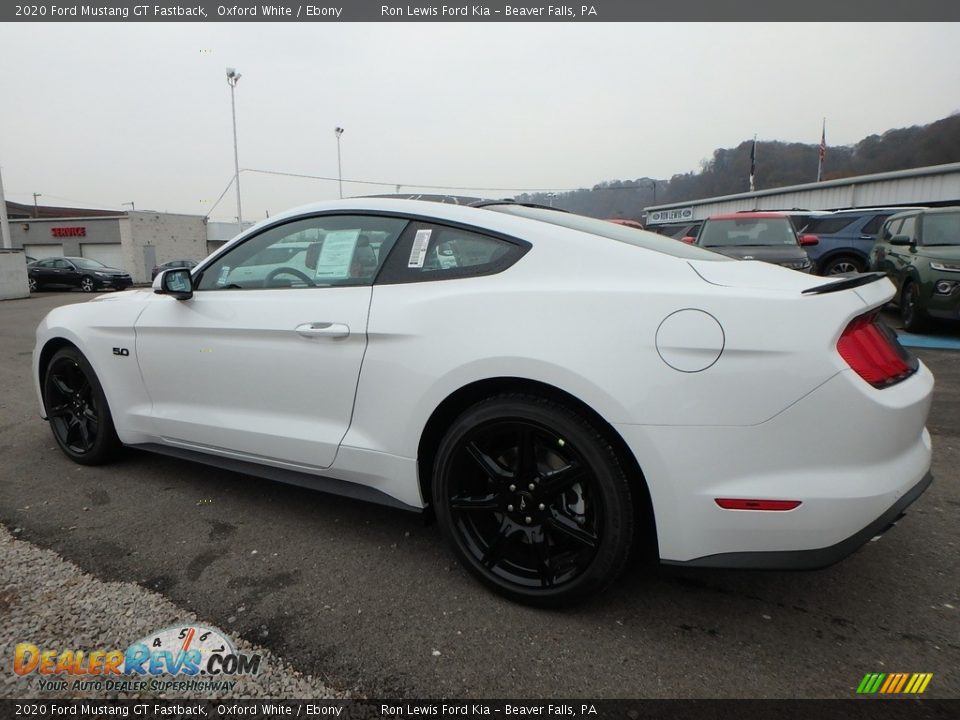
x,y
107,253
43,251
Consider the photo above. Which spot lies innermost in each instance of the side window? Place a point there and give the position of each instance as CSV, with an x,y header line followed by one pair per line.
x,y
321,251
438,252
889,230
62,265
908,227
873,225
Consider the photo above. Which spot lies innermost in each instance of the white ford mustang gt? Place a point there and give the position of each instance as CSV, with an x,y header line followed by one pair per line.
x,y
552,387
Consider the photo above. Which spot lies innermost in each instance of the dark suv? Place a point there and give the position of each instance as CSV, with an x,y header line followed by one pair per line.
x,y
920,252
846,237
766,236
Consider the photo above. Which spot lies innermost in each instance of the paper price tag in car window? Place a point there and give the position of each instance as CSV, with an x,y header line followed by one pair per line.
x,y
418,253
336,255
222,278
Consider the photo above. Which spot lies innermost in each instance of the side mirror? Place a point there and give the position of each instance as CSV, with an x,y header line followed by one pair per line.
x,y
177,282
808,239
688,240
901,240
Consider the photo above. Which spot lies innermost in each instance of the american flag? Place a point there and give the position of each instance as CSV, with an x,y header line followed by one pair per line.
x,y
823,142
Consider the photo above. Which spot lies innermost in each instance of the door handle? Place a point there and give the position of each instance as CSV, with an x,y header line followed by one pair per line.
x,y
323,329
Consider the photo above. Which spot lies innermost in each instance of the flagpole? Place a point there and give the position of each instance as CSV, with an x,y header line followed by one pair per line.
x,y
822,151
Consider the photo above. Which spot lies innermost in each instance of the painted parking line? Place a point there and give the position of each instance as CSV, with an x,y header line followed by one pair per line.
x,y
935,342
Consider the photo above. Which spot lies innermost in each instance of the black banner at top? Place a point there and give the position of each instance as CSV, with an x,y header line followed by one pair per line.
x,y
562,11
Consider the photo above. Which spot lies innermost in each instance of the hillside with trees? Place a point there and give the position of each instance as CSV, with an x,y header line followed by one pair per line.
x,y
778,164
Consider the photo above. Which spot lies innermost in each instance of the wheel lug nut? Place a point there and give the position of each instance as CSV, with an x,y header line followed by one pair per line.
x,y
542,506
513,488
529,519
531,486
509,508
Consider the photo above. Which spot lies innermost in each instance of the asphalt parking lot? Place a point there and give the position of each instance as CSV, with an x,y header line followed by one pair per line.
x,y
369,599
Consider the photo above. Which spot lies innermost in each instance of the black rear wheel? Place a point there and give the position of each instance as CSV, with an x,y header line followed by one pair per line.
x,y
87,284
77,409
533,500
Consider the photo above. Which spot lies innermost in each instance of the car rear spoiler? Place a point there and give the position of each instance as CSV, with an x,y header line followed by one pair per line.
x,y
851,282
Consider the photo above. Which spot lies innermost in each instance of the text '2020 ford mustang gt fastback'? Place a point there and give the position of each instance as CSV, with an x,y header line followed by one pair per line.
x,y
551,386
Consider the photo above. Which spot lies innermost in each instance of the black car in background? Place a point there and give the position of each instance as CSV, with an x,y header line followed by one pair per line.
x,y
75,272
172,264
766,236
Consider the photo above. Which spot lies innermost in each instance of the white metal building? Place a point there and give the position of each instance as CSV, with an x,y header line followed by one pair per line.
x,y
134,241
933,185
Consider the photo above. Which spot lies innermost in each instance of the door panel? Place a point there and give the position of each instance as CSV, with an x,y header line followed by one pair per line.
x,y
228,370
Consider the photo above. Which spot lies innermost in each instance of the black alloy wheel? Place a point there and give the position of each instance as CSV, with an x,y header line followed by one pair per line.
x,y
87,284
844,264
32,282
533,500
77,409
911,314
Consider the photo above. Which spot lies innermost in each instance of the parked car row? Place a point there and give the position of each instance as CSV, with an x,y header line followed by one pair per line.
x,y
85,273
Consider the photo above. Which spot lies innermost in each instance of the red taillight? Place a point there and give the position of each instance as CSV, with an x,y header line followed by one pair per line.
x,y
872,350
743,504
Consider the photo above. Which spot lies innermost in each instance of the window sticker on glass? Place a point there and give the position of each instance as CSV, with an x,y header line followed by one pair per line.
x,y
336,255
224,272
418,253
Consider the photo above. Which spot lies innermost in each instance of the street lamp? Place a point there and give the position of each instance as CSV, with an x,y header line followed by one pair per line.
x,y
233,77
338,131
35,208
551,195
653,183
132,205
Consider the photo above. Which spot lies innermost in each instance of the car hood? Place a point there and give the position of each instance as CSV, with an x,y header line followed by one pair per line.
x,y
766,253
950,253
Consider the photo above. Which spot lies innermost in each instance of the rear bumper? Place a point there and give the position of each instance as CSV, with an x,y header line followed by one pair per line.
x,y
812,559
848,452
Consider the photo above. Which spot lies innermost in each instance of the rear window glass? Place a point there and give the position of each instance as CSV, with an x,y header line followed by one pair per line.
x,y
829,225
941,229
747,232
620,233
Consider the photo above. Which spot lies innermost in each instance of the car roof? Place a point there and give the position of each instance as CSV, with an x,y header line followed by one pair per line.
x,y
927,211
749,216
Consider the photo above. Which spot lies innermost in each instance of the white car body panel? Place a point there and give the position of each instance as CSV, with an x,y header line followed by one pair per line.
x,y
778,414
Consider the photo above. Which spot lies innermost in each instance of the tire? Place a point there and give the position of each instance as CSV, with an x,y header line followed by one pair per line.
x,y
843,264
566,538
87,284
33,284
77,409
914,318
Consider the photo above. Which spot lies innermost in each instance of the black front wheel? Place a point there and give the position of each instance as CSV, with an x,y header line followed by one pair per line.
x,y
533,500
914,318
77,409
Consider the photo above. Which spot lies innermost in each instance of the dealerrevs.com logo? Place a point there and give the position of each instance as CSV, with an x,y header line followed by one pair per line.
x,y
198,658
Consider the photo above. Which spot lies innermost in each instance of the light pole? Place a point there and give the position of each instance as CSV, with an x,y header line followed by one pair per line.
x,y
36,210
653,183
133,207
233,77
551,195
338,131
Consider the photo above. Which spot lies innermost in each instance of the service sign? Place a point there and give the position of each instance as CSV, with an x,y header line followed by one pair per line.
x,y
658,217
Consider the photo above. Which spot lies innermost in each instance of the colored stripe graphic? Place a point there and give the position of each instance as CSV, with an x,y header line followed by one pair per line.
x,y
894,683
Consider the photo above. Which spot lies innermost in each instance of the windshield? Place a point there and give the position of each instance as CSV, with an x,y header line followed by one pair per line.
x,y
941,229
87,263
613,231
747,232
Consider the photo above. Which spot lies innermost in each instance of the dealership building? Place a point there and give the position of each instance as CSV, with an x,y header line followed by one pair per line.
x,y
134,241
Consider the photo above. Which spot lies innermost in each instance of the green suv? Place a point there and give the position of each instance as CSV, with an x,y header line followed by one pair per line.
x,y
919,250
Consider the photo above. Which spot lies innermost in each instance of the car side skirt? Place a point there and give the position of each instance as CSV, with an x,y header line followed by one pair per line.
x,y
816,558
322,483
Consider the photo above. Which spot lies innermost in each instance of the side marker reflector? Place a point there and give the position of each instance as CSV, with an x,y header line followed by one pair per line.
x,y
744,504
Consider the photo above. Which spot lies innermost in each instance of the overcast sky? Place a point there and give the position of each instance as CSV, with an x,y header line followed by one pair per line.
x,y
102,114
